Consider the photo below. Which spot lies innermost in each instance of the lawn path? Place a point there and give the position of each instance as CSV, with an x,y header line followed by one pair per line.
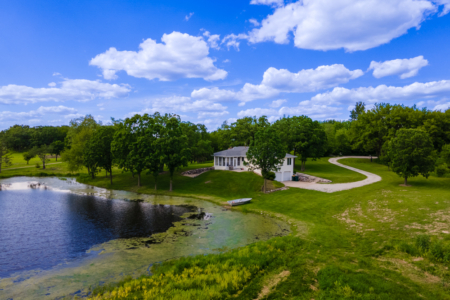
x,y
336,187
6,169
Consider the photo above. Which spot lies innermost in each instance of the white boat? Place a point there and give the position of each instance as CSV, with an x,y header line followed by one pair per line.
x,y
239,201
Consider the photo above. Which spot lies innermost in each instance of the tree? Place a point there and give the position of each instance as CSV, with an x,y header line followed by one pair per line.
x,y
78,135
42,152
359,109
310,140
266,152
27,156
412,153
98,150
131,145
58,147
173,146
5,155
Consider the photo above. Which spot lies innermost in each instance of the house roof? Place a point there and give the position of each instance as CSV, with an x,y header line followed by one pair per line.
x,y
241,151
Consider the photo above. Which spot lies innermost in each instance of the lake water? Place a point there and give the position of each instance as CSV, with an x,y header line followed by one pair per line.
x,y
43,228
60,237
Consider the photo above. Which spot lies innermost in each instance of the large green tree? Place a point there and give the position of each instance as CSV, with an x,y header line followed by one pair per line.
x,y
78,135
412,153
57,147
173,145
266,152
98,150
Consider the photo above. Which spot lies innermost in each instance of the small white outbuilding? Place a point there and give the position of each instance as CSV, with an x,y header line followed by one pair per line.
x,y
233,159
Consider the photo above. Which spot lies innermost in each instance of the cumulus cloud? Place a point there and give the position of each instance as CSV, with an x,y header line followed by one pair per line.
x,y
178,56
383,93
179,104
212,39
277,103
35,114
335,24
404,67
254,22
69,89
304,108
268,2
276,81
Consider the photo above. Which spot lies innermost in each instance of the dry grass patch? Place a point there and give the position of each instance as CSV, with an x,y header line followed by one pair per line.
x,y
273,282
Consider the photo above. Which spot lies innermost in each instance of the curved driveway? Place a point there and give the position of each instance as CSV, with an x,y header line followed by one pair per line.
x,y
336,187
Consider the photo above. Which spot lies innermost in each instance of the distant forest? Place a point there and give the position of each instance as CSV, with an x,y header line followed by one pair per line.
x,y
151,142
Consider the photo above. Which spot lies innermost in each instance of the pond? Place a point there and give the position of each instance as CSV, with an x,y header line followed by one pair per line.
x,y
59,237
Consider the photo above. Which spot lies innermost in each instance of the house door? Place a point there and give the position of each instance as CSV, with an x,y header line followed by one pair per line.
x,y
235,161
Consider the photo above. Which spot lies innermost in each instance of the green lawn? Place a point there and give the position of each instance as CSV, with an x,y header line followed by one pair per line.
x,y
323,169
349,243
18,161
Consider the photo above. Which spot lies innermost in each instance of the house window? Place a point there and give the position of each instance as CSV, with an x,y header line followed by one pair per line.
x,y
220,161
239,161
289,161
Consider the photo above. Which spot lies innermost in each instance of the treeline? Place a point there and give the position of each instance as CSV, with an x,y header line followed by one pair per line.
x,y
142,143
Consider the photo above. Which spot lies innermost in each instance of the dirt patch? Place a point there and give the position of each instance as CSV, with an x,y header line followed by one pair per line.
x,y
272,282
441,223
209,181
405,185
409,270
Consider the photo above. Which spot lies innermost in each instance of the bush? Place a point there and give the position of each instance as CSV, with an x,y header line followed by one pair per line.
x,y
441,170
423,242
270,176
38,165
410,249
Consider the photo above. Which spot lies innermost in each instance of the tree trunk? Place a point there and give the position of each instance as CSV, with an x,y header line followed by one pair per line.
x,y
406,180
264,185
92,175
156,183
139,179
43,163
106,173
170,184
110,175
303,166
56,157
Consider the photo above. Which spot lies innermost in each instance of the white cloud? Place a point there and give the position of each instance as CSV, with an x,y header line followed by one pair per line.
x,y
189,16
335,24
268,2
35,114
70,89
254,22
178,104
178,56
213,40
277,103
304,108
231,40
383,93
446,8
276,81
52,84
442,107
405,67
212,114
226,61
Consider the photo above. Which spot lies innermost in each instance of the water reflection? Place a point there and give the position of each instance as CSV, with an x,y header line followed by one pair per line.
x,y
40,228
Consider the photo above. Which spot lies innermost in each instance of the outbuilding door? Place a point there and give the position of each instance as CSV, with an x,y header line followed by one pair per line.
x,y
287,176
279,176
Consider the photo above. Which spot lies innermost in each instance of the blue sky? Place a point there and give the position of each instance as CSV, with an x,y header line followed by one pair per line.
x,y
211,61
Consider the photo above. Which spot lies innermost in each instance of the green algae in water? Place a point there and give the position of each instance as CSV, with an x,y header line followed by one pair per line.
x,y
116,259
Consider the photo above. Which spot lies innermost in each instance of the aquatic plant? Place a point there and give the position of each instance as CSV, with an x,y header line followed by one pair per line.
x,y
205,277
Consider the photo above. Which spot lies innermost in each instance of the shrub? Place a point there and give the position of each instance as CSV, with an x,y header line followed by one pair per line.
x,y
38,165
410,249
437,251
423,242
441,170
270,176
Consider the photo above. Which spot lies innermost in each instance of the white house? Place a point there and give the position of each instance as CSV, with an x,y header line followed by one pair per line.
x,y
233,159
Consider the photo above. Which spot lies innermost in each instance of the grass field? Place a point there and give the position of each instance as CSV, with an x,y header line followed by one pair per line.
x,y
381,241
19,162
323,169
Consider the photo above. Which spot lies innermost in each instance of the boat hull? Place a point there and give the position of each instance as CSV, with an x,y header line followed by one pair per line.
x,y
239,201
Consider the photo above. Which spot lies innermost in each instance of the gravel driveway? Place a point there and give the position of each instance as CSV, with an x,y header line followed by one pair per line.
x,y
336,187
